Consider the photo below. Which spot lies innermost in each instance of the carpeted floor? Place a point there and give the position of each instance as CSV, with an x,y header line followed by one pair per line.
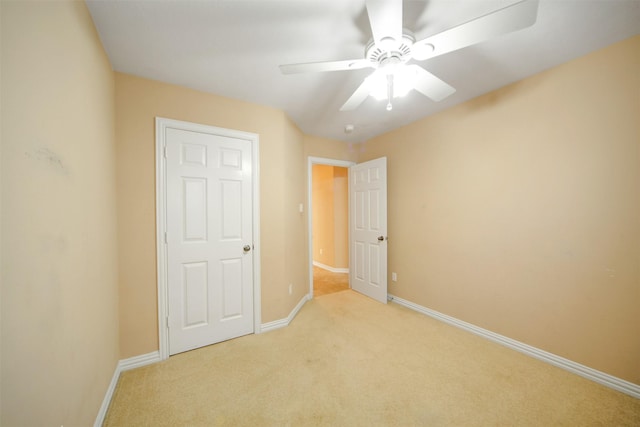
x,y
325,282
346,360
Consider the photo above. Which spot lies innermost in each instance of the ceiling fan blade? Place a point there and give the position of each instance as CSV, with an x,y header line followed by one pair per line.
x,y
430,85
357,98
385,17
317,67
511,18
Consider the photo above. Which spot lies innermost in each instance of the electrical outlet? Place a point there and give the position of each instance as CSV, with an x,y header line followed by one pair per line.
x,y
394,277
290,288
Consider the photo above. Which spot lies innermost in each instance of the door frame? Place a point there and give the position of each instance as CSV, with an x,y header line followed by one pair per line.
x,y
310,162
161,220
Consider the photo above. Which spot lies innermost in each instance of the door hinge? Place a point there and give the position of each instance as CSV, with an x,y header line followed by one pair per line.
x,y
164,150
168,322
165,238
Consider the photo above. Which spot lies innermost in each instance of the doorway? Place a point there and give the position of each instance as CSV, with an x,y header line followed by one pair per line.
x,y
328,225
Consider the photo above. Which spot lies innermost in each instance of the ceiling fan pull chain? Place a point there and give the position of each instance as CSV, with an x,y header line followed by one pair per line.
x,y
389,91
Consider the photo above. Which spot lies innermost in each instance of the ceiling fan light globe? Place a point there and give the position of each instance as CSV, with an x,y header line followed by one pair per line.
x,y
401,88
405,80
377,84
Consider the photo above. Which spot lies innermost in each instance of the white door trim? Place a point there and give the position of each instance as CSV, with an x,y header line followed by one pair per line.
x,y
310,162
161,220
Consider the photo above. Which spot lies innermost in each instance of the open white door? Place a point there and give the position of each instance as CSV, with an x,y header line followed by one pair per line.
x,y
368,228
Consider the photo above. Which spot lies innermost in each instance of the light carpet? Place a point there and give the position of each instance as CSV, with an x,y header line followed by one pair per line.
x,y
347,360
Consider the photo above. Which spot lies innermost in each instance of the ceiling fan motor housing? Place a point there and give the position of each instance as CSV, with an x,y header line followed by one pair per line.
x,y
399,53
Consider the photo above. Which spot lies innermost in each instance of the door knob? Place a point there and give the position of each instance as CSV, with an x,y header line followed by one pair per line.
x,y
380,238
246,248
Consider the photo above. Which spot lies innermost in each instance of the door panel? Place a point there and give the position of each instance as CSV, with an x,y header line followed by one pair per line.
x,y
231,203
195,293
209,222
368,222
195,209
232,295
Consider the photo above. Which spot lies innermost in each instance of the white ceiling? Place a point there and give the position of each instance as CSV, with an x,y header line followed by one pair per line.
x,y
233,48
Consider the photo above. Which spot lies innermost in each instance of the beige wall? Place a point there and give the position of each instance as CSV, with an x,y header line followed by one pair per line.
x,y
282,189
59,263
519,211
277,303
330,215
315,146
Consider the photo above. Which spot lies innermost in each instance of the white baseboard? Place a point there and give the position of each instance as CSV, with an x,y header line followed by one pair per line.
x,y
584,371
277,324
123,365
107,398
138,361
331,269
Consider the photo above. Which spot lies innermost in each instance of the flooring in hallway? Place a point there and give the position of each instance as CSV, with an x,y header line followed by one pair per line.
x,y
325,282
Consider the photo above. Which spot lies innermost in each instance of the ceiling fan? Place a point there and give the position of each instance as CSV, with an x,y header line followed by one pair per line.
x,y
393,47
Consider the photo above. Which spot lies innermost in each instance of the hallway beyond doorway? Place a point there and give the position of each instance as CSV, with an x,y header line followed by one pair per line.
x,y
325,282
